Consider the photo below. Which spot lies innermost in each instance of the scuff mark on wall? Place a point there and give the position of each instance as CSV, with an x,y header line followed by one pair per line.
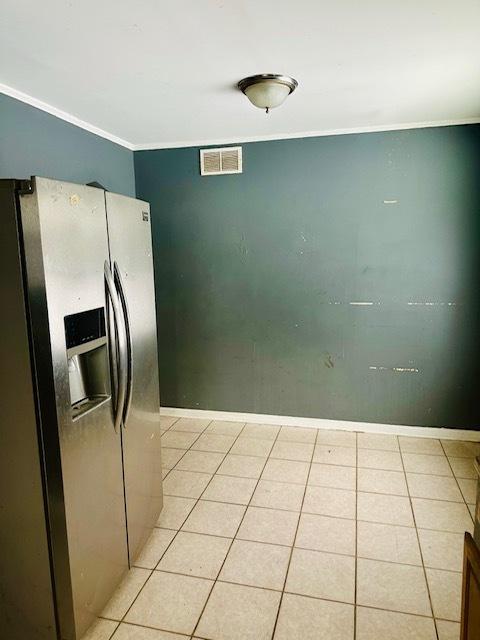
x,y
242,247
395,369
365,303
362,304
328,362
432,304
356,303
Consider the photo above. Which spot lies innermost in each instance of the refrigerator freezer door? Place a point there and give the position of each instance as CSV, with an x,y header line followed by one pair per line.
x,y
69,222
26,591
131,259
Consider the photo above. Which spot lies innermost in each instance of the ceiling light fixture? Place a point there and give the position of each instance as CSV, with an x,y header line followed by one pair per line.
x,y
267,90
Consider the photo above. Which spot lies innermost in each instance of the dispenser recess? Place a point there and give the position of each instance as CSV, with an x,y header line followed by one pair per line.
x,y
87,357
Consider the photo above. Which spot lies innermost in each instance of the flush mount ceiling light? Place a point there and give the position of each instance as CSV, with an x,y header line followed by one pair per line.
x,y
267,90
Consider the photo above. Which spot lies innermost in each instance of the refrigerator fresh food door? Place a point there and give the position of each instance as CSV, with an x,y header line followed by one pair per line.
x,y
131,262
65,228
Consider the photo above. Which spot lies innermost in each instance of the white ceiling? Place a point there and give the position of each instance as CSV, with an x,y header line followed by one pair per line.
x,y
159,73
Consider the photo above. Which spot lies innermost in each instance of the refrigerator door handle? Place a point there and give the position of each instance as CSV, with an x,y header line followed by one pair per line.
x,y
128,336
120,347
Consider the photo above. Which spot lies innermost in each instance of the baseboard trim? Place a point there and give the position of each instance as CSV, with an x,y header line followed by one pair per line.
x,y
322,423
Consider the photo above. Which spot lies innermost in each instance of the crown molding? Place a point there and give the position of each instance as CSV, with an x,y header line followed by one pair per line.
x,y
150,146
63,115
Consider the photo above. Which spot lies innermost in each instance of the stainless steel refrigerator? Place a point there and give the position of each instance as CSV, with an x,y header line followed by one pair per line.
x,y
80,470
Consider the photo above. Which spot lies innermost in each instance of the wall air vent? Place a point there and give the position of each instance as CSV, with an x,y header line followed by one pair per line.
x,y
215,162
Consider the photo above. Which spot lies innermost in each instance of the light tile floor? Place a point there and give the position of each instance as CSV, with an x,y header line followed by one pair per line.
x,y
284,533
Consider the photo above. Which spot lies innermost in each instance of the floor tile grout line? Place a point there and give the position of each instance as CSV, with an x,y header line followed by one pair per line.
x,y
227,475
245,504
110,637
222,580
304,548
145,626
459,487
294,540
168,428
317,486
175,467
280,590
311,513
421,556
233,539
363,606
331,464
214,535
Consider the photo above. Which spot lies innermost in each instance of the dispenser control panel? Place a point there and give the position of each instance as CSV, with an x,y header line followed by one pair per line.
x,y
84,327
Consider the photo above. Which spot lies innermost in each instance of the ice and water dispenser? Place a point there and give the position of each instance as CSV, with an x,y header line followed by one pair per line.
x,y
87,356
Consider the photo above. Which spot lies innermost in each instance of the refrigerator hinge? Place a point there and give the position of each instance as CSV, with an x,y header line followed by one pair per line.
x,y
25,187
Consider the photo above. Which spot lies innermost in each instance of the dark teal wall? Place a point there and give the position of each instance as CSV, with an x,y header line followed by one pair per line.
x,y
256,275
33,142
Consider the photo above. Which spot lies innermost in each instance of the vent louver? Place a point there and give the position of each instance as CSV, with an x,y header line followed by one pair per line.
x,y
214,162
